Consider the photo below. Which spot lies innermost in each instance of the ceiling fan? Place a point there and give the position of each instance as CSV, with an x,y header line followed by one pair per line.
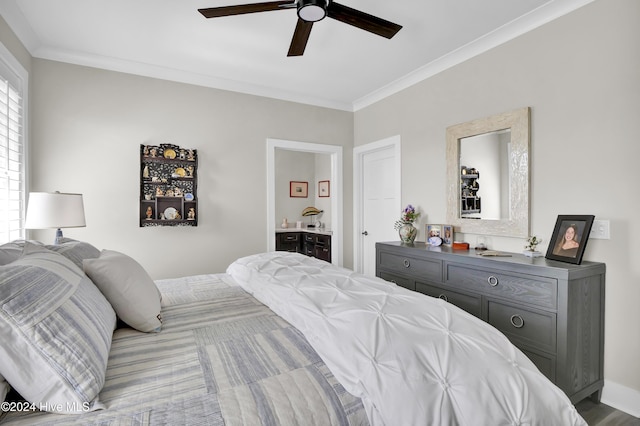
x,y
310,11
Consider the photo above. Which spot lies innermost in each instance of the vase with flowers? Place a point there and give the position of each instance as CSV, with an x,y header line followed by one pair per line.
x,y
404,225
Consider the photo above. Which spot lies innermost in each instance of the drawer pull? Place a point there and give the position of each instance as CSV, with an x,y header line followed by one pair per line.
x,y
443,297
517,321
406,263
493,281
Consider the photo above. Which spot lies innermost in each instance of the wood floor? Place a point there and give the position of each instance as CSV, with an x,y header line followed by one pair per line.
x,y
603,415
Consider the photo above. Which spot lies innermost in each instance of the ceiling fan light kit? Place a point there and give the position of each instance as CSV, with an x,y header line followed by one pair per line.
x,y
310,11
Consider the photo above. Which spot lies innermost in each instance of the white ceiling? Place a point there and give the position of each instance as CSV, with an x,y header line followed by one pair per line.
x,y
343,67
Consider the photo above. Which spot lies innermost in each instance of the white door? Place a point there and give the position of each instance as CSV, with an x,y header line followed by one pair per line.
x,y
379,200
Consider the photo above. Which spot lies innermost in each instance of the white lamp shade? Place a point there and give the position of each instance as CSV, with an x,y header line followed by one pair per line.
x,y
54,210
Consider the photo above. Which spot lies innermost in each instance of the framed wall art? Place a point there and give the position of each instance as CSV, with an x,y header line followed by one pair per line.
x,y
323,188
569,238
298,189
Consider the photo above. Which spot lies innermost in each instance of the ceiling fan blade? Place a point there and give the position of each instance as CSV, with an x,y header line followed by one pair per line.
x,y
300,38
362,20
215,12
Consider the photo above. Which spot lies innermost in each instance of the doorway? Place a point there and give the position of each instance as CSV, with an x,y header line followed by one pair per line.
x,y
335,153
377,195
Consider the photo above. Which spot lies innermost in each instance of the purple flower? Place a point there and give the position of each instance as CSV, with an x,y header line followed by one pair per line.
x,y
408,216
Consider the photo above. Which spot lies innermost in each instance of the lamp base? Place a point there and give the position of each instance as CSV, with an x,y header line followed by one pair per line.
x,y
58,239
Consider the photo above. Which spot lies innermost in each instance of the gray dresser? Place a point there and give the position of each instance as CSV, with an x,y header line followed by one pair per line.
x,y
552,311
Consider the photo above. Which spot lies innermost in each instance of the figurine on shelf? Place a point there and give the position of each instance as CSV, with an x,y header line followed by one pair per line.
x,y
191,215
154,152
190,171
145,172
145,151
183,155
191,155
177,192
177,216
149,213
161,216
169,193
159,192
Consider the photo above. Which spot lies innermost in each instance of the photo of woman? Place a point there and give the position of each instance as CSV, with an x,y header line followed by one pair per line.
x,y
569,243
569,238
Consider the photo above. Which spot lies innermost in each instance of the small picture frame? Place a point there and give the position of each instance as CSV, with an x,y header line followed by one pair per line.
x,y
447,235
433,234
569,238
324,188
433,231
298,189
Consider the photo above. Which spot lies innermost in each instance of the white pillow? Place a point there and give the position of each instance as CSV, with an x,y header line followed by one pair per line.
x,y
55,332
130,290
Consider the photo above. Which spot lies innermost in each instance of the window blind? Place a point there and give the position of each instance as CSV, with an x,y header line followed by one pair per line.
x,y
12,156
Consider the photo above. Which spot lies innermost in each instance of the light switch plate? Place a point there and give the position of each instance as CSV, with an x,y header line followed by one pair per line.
x,y
600,230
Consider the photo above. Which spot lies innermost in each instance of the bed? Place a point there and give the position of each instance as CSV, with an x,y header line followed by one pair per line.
x,y
278,339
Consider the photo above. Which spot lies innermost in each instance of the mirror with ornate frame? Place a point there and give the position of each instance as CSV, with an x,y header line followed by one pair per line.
x,y
514,221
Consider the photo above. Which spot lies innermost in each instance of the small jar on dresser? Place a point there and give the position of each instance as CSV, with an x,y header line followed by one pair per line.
x,y
552,311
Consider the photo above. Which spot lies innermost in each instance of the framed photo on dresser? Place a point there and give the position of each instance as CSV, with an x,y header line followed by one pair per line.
x,y
569,238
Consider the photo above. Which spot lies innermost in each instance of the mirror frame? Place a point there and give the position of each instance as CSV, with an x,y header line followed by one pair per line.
x,y
518,223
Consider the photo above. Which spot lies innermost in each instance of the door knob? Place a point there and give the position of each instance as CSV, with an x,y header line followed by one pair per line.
x,y
365,233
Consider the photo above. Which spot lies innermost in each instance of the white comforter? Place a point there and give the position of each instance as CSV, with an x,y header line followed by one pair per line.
x,y
413,359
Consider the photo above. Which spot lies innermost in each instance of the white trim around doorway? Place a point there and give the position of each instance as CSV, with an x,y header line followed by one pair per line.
x,y
358,190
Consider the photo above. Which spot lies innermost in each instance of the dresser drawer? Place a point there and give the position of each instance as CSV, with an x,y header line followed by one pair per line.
x,y
426,269
524,326
471,304
401,281
529,289
288,241
323,240
545,363
289,237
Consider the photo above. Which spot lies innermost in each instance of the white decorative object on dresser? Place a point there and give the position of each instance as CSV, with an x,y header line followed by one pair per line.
x,y
552,311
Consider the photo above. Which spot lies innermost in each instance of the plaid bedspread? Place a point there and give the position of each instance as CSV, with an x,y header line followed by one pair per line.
x,y
222,358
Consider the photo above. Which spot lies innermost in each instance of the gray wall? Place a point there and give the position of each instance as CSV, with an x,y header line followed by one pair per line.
x,y
580,75
88,124
11,42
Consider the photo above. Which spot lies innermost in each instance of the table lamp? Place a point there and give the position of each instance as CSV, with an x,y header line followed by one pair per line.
x,y
55,210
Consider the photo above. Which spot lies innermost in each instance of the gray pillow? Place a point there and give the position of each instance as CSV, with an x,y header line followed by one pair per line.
x,y
130,290
75,251
12,251
56,329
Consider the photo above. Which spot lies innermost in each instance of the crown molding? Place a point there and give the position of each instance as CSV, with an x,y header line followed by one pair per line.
x,y
532,20
182,76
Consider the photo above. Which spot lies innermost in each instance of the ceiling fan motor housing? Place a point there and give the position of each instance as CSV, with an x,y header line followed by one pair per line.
x,y
312,10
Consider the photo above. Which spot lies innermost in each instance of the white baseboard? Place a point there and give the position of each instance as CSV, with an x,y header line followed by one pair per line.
x,y
621,398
